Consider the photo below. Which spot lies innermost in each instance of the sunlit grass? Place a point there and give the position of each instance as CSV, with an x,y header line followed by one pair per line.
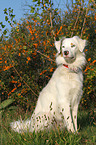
x,y
86,133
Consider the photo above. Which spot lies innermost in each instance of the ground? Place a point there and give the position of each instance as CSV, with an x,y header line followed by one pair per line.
x,y
86,132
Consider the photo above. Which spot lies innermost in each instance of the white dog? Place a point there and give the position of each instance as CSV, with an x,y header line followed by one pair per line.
x,y
58,101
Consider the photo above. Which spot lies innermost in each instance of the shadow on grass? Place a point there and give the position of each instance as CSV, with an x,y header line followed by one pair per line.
x,y
86,118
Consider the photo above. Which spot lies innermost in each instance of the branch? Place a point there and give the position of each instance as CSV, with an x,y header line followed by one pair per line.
x,y
76,22
24,81
84,20
13,65
52,24
50,59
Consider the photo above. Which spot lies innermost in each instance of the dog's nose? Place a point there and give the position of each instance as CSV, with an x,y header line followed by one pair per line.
x,y
66,52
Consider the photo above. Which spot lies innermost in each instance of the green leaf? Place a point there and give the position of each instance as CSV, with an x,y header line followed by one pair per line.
x,y
14,22
35,14
37,9
4,32
9,8
5,10
3,26
32,9
35,0
12,15
6,18
9,22
56,9
38,18
24,47
6,103
69,27
90,1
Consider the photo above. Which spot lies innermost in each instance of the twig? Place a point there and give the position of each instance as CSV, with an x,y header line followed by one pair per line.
x,y
76,22
45,55
24,81
11,61
50,59
52,24
84,20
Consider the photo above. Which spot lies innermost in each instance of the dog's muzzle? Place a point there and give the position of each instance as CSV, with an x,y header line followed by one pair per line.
x,y
68,58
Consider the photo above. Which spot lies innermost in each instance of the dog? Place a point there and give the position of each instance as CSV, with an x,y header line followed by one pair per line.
x,y
58,102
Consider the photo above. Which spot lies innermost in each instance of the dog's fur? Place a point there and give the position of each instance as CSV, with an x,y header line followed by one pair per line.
x,y
58,101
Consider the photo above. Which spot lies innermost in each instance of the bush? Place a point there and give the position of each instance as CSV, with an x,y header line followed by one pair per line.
x,y
28,54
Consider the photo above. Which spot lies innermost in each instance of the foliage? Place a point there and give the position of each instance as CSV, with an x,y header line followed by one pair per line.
x,y
28,54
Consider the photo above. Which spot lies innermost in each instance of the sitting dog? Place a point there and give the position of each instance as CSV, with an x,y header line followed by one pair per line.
x,y
58,101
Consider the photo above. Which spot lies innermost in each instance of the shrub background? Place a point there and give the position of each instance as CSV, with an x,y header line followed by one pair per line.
x,y
28,53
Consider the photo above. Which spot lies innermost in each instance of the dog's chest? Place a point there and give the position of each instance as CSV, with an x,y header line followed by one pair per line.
x,y
65,77
68,84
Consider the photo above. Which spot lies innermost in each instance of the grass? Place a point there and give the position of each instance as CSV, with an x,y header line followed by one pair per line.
x,y
86,135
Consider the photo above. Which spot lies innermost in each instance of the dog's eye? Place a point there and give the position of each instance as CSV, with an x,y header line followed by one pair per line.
x,y
63,46
73,45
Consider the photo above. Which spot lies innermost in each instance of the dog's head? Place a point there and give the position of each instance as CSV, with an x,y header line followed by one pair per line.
x,y
69,48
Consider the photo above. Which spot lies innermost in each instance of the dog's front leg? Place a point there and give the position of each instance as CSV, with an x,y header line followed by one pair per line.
x,y
65,112
74,115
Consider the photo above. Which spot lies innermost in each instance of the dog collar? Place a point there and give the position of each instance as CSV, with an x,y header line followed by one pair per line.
x,y
65,65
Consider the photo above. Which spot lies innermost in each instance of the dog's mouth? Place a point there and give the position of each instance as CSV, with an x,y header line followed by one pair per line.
x,y
69,59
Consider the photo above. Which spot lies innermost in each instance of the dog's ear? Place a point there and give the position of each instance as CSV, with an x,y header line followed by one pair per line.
x,y
58,44
81,43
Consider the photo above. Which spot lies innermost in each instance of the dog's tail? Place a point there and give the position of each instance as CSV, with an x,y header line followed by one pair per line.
x,y
36,123
21,126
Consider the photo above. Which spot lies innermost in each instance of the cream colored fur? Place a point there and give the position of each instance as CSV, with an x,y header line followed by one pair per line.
x,y
58,101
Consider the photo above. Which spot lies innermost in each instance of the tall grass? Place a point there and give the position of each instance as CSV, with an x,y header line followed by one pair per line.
x,y
86,133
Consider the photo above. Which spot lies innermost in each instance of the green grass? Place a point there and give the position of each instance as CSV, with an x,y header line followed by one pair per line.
x,y
86,135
